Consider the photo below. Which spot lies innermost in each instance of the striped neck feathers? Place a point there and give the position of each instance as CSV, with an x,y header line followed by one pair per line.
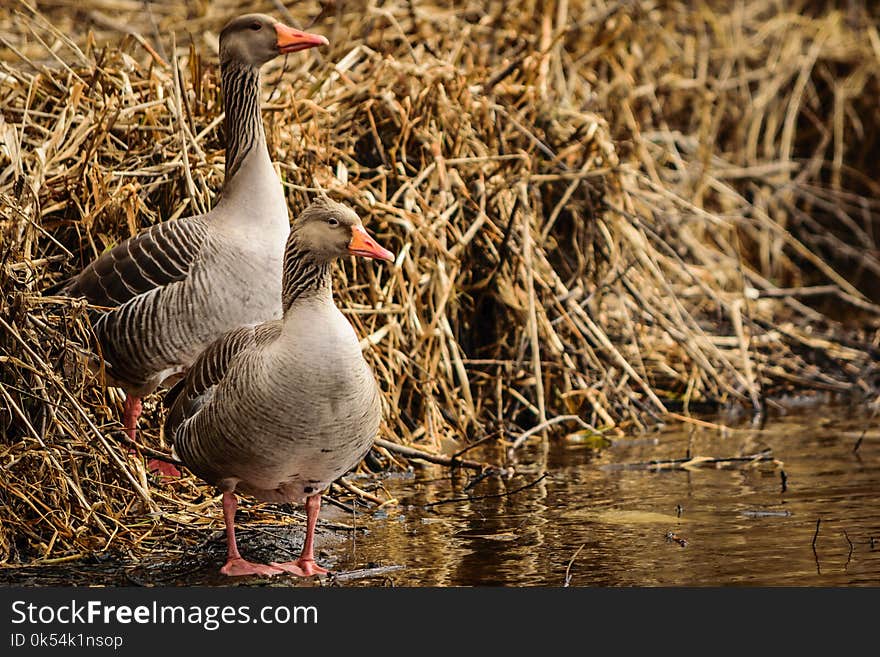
x,y
305,277
241,102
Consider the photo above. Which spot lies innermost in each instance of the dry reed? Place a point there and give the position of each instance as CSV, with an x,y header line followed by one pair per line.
x,y
603,211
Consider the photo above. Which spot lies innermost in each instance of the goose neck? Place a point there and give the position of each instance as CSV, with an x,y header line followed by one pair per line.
x,y
244,124
305,279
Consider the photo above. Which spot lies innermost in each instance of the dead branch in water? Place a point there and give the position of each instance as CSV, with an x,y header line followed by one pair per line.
x,y
692,462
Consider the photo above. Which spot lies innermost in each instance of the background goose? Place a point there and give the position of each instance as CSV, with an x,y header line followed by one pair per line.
x,y
178,285
281,409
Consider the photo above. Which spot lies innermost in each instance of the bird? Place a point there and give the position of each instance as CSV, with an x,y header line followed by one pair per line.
x,y
281,409
173,288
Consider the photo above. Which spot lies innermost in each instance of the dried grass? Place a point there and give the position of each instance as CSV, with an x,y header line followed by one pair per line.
x,y
602,211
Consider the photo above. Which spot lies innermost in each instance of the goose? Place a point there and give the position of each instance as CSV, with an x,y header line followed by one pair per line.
x,y
175,287
281,409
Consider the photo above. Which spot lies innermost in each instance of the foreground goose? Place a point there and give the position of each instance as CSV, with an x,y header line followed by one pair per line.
x,y
179,285
279,410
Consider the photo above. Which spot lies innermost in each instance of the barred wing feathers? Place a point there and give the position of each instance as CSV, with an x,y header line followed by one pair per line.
x,y
154,258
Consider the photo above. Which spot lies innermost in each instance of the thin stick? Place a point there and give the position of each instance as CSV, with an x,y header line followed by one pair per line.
x,y
360,492
570,562
859,442
413,453
851,547
362,573
546,423
694,461
475,444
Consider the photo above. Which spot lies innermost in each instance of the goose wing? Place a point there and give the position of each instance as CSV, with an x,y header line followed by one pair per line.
x,y
156,257
190,394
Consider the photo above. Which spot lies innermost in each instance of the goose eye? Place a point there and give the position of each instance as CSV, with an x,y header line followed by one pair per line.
x,y
256,27
333,221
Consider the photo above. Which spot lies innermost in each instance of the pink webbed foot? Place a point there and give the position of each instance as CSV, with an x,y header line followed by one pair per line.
x,y
238,567
163,468
301,567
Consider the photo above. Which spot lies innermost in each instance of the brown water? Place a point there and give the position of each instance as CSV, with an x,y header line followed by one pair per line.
x,y
740,527
596,513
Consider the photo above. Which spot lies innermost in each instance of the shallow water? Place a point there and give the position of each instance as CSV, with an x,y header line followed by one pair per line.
x,y
594,516
738,525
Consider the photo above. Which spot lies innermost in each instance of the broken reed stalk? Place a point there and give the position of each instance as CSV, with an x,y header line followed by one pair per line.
x,y
421,455
608,214
693,462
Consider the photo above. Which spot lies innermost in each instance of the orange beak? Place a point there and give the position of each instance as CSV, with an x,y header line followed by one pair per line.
x,y
290,40
362,244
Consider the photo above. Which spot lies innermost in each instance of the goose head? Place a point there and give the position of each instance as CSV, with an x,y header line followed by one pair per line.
x,y
326,230
255,39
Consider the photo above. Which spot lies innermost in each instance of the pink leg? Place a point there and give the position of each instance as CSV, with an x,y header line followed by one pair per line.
x,y
163,468
305,565
131,412
235,565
